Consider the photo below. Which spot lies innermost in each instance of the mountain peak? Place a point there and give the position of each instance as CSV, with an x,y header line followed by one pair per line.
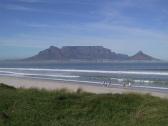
x,y
141,56
140,52
53,47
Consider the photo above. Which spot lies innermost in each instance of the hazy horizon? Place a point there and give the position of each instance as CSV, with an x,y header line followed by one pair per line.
x,y
124,26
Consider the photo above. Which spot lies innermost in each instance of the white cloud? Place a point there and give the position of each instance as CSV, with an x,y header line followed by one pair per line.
x,y
38,25
31,1
17,7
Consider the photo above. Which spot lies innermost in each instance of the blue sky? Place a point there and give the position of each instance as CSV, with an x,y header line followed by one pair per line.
x,y
125,26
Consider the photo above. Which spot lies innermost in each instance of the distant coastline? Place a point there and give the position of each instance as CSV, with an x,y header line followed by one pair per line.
x,y
80,54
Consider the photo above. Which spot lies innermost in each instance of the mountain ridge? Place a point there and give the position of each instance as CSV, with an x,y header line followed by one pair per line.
x,y
88,53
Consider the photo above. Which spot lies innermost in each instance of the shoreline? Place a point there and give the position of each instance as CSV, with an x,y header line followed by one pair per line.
x,y
27,83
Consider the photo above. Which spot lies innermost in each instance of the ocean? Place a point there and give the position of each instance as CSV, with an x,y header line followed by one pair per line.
x,y
148,75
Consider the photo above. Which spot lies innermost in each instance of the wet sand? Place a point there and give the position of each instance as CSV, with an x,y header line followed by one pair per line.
x,y
74,86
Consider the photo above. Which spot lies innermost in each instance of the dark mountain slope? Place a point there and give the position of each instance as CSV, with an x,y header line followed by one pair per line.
x,y
78,53
88,53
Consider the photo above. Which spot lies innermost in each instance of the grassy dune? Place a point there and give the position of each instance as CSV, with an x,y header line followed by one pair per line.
x,y
21,107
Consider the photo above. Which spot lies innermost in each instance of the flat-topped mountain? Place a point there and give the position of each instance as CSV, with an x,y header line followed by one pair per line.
x,y
78,53
86,53
142,56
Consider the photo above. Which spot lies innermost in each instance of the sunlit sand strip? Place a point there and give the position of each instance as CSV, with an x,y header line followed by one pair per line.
x,y
72,86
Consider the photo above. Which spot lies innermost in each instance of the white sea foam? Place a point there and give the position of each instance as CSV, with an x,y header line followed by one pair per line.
x,y
92,71
118,79
143,81
136,81
28,74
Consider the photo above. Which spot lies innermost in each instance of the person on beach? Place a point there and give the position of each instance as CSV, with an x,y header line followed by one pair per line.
x,y
104,83
110,82
124,84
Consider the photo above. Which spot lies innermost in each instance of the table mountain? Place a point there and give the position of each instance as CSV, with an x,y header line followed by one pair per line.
x,y
85,53
78,53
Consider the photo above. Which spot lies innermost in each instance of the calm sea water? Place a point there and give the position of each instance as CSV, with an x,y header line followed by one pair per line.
x,y
139,74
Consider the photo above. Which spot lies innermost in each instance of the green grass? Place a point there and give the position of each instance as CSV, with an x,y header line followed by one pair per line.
x,y
21,107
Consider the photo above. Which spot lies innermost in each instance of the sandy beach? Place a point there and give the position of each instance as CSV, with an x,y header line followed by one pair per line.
x,y
71,86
